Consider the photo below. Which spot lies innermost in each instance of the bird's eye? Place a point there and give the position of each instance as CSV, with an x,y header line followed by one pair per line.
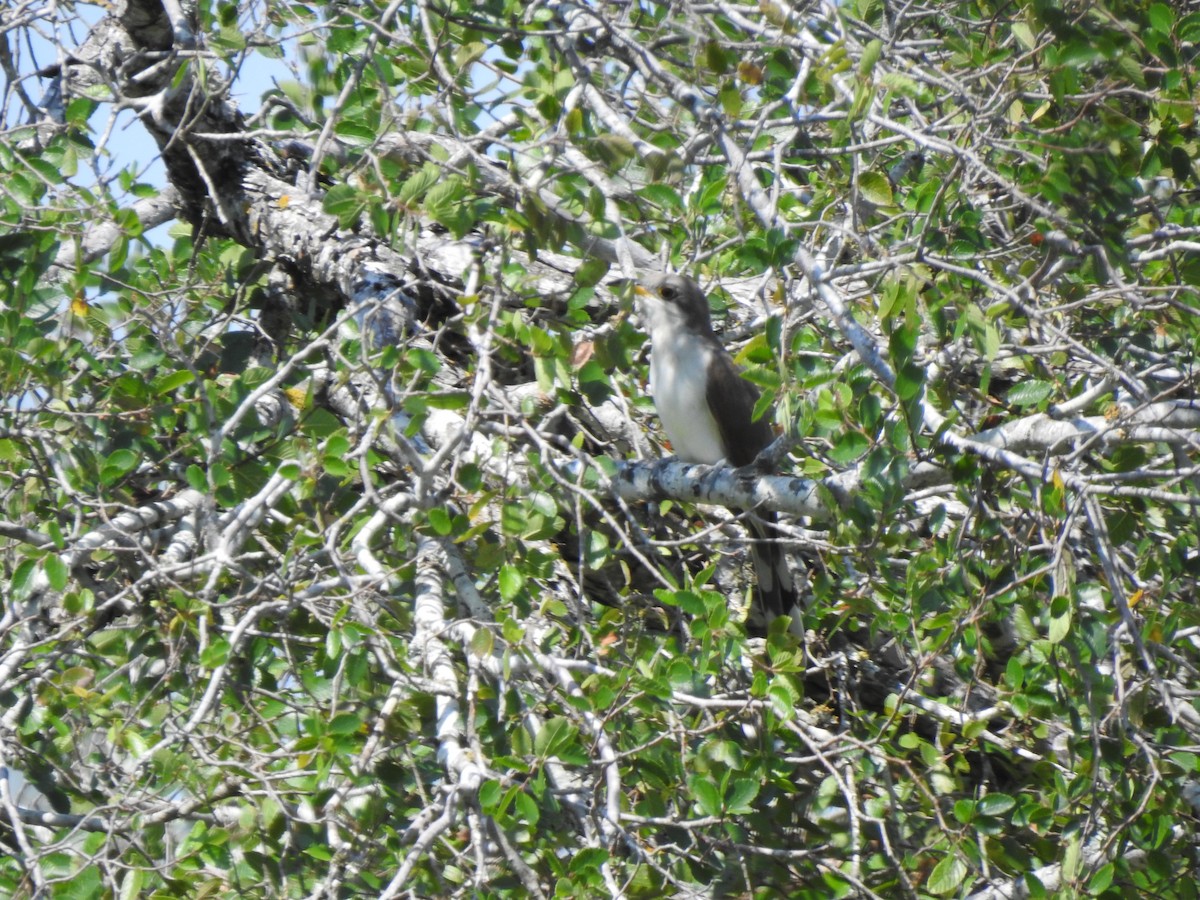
x,y
667,292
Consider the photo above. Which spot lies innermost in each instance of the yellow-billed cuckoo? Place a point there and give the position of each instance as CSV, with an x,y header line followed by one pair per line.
x,y
707,410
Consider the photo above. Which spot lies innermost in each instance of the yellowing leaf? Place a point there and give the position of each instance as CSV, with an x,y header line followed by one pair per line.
x,y
749,72
296,396
1024,34
581,353
875,188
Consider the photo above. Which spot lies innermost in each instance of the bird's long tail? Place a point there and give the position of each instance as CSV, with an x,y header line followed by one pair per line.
x,y
776,595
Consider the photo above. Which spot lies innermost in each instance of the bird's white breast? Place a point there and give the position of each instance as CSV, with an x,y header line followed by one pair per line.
x,y
678,379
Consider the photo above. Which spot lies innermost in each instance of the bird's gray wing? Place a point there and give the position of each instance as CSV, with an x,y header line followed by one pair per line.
x,y
731,399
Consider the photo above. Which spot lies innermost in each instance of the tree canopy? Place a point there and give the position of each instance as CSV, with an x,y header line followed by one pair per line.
x,y
343,552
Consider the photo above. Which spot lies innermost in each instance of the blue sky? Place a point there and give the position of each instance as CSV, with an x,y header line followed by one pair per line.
x,y
123,139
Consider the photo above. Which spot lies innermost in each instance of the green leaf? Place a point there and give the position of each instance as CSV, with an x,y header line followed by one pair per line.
x,y
740,795
423,360
614,150
1188,762
730,97
589,858
131,884
875,188
596,550
591,271
1161,18
417,184
782,699
57,573
1072,856
483,642
172,381
490,793
346,203
50,172
972,730
870,57
468,54
715,57
229,39
337,445
526,808
345,723
688,601
22,579
441,197
448,400
727,753
445,202
1029,393
511,582
888,298
663,195
320,423
1101,879
1024,34
196,478
118,464
79,111
292,471
215,654
513,518
1014,673
336,466
964,811
708,797
849,447
555,735
947,875
1189,28
355,133
909,381
995,804
1132,70
1060,619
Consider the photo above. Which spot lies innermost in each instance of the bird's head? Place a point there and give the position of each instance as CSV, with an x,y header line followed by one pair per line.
x,y
673,301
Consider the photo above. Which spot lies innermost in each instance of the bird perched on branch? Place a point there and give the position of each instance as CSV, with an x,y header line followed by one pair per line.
x,y
707,411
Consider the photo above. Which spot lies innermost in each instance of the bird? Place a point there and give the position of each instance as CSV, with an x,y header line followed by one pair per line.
x,y
707,411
